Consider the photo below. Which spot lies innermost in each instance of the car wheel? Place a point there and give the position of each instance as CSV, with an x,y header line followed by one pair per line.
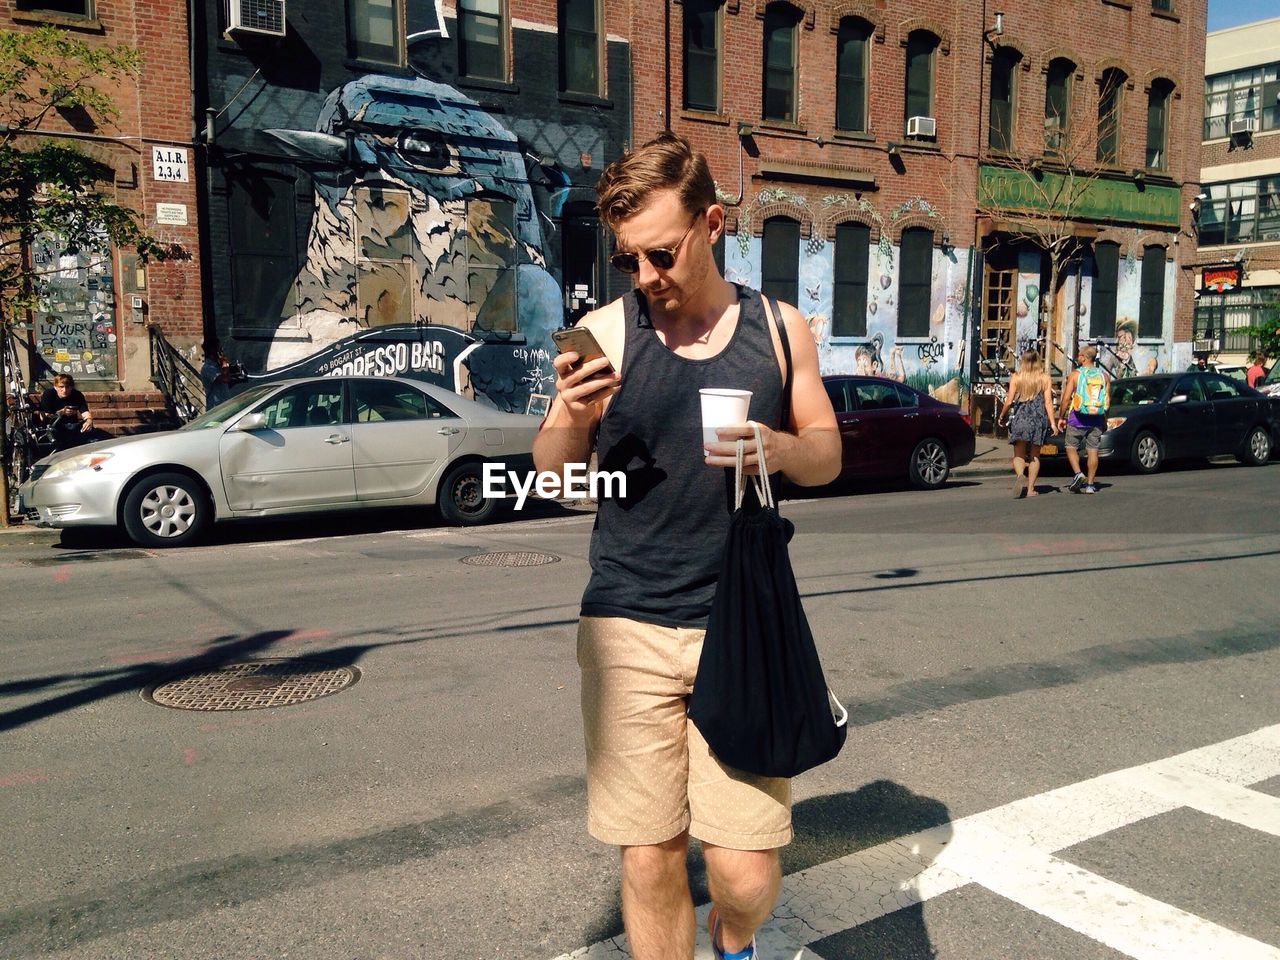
x,y
1257,447
930,464
462,500
166,510
1148,452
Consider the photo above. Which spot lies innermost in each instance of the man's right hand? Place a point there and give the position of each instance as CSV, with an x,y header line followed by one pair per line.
x,y
584,398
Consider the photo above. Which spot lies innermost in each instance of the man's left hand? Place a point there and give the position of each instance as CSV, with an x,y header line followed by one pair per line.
x,y
725,453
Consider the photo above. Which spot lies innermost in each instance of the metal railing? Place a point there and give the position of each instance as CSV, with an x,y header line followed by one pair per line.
x,y
175,377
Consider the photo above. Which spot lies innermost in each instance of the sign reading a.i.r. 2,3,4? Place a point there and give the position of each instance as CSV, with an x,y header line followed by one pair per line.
x,y
169,164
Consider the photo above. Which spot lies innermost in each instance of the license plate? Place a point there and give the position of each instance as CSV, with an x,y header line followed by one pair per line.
x,y
1049,448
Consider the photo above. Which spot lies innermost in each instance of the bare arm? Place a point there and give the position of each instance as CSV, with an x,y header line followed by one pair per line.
x,y
1008,399
809,452
569,431
1048,404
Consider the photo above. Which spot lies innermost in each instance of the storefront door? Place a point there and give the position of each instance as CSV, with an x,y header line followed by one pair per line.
x,y
580,255
994,356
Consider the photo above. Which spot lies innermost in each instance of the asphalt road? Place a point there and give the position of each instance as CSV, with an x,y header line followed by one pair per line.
x,y
1025,682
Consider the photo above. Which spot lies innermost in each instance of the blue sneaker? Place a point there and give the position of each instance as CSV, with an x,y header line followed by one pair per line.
x,y
1089,488
713,927
1076,483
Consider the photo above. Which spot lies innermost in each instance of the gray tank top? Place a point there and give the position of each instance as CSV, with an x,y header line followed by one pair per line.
x,y
655,554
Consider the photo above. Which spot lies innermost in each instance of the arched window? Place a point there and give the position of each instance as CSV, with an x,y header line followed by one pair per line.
x,y
921,45
1110,88
780,59
852,259
852,48
1151,298
702,54
1057,103
1000,108
1158,124
915,282
780,259
1106,278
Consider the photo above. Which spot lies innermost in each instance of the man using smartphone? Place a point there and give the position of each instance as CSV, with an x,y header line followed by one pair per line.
x,y
652,781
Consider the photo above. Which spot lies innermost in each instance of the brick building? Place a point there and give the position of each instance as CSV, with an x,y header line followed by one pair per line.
x,y
905,240
409,173
94,311
1239,223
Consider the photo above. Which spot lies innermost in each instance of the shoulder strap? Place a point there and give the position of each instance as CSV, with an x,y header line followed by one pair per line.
x,y
776,317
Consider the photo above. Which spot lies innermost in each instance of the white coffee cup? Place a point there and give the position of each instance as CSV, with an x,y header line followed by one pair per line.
x,y
722,408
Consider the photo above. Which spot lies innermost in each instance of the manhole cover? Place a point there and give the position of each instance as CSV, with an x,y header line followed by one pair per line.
x,y
509,558
253,685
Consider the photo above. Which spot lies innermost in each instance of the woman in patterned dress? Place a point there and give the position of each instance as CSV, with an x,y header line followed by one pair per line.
x,y
1030,396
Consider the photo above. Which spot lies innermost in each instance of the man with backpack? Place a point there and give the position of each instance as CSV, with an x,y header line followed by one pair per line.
x,y
1083,415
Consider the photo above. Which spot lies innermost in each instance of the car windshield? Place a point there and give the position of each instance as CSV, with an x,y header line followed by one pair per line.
x,y
1136,391
224,411
1273,375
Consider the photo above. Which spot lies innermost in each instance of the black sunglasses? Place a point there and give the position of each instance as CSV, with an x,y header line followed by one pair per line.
x,y
664,258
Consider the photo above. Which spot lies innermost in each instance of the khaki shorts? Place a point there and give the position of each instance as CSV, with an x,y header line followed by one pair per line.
x,y
650,775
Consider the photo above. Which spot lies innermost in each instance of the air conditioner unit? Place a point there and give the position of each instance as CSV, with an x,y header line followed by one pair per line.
x,y
922,127
1242,126
1206,346
264,17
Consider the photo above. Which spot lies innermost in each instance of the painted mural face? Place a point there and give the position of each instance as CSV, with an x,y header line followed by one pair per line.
x,y
438,227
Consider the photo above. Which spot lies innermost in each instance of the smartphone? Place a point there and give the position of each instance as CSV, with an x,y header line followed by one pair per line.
x,y
583,342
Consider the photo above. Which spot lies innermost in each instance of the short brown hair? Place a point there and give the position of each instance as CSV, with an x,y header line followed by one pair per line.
x,y
65,380
667,162
1090,352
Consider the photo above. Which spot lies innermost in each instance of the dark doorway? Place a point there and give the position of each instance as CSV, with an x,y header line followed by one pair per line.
x,y
580,255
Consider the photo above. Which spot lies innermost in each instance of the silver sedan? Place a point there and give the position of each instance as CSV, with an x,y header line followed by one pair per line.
x,y
289,447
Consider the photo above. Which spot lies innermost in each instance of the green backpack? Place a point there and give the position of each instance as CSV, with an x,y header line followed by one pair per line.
x,y
1091,396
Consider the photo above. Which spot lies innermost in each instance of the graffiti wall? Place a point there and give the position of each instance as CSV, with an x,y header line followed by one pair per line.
x,y
75,326
408,198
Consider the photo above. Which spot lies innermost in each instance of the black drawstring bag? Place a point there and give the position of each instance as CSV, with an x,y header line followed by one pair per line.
x,y
760,699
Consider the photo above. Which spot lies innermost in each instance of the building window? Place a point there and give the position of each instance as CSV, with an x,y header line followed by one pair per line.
x,y
1151,300
853,41
492,277
482,48
1241,211
373,31
1057,104
264,252
384,256
919,99
1249,94
702,55
1228,316
70,8
1164,6
780,259
915,282
849,304
1106,277
1109,89
1158,124
1001,112
780,23
580,46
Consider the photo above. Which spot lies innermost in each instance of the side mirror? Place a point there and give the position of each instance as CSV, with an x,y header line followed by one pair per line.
x,y
251,421
1179,398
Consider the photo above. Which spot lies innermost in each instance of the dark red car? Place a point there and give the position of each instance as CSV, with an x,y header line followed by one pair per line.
x,y
890,430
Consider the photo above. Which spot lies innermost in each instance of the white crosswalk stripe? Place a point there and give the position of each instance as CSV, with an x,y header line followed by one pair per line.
x,y
1010,851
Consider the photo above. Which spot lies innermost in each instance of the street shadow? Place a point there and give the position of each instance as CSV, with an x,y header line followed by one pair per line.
x,y
337,525
862,488
832,827
218,652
